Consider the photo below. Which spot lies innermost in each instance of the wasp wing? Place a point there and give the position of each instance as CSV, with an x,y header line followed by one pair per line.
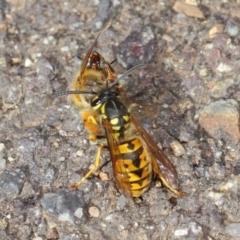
x,y
162,166
85,60
119,170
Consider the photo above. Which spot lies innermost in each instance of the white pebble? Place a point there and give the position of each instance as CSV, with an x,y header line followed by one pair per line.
x,y
28,62
94,212
177,148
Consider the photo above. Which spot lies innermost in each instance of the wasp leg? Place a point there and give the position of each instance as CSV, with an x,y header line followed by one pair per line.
x,y
91,171
157,171
91,124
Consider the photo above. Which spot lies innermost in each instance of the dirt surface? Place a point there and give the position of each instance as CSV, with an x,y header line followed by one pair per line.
x,y
189,92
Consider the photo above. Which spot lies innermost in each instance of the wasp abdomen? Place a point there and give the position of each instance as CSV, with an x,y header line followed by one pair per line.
x,y
134,160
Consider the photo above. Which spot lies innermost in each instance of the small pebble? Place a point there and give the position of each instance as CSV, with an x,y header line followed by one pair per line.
x,y
2,146
80,153
62,133
11,159
177,148
78,213
223,67
193,227
56,144
203,72
2,163
214,30
94,212
65,49
28,62
232,29
16,60
104,176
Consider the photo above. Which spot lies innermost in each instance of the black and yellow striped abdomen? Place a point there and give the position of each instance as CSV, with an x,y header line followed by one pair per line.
x,y
134,160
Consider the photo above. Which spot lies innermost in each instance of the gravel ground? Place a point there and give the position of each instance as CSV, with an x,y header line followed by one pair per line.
x,y
189,92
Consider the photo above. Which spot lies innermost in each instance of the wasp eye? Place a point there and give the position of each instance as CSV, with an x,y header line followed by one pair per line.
x,y
95,101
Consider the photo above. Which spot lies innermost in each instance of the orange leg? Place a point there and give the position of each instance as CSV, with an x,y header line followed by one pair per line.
x,y
91,123
91,171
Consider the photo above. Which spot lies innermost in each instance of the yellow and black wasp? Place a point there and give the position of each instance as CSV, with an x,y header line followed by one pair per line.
x,y
135,156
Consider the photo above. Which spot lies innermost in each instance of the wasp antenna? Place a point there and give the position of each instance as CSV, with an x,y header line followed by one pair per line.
x,y
73,92
113,61
127,73
103,29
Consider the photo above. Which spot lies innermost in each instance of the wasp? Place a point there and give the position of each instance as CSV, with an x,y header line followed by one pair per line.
x,y
92,74
135,157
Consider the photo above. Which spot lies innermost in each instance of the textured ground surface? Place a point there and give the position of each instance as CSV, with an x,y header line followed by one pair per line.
x,y
190,87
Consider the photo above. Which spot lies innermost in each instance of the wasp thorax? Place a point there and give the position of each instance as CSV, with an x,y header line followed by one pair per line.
x,y
103,97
